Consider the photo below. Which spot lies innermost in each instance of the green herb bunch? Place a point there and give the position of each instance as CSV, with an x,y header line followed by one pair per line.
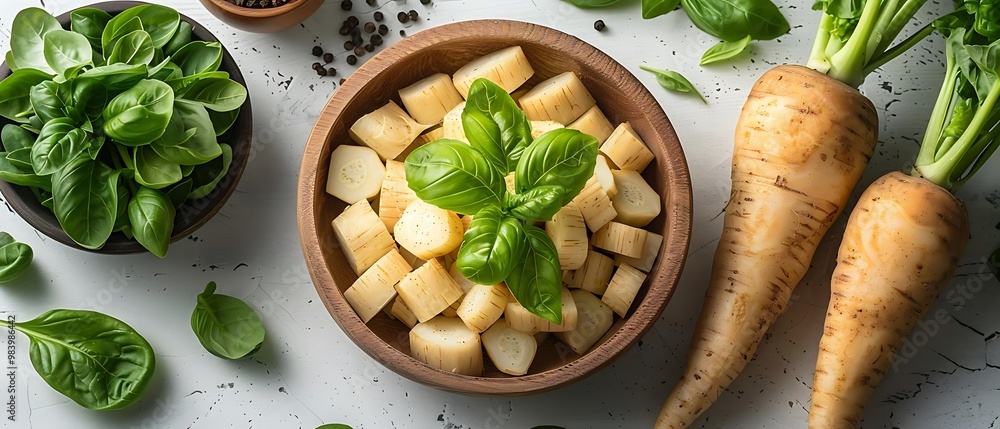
x,y
116,120
502,243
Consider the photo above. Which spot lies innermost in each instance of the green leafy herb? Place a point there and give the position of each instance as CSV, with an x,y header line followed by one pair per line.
x,y
334,426
732,20
59,144
85,201
27,39
495,125
673,81
15,258
536,280
207,176
655,8
561,157
588,4
537,204
15,93
90,22
98,361
724,51
139,115
227,327
454,176
151,218
493,243
64,50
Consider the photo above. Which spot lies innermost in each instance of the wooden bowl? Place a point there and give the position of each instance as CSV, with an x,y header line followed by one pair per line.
x,y
192,214
444,49
262,20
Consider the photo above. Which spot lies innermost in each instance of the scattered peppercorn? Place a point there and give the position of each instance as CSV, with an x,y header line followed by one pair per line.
x,y
402,33
321,71
357,39
372,2
328,57
348,45
402,17
317,51
352,60
376,40
346,5
370,27
383,29
599,25
414,15
370,47
345,30
353,21
359,51
425,1
332,72
378,16
317,65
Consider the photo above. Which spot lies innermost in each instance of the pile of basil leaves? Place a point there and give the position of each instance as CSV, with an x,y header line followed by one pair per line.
x,y
503,244
116,121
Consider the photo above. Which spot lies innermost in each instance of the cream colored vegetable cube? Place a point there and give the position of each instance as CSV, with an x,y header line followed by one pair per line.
x,y
621,239
595,274
623,289
396,195
626,149
428,231
388,130
376,287
508,68
569,233
594,319
430,98
649,253
362,236
595,206
562,98
451,127
594,123
428,290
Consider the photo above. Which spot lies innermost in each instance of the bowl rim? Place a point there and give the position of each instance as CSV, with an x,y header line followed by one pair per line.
x,y
642,318
252,12
28,210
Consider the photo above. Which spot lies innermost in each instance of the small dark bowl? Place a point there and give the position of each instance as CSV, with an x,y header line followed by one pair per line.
x,y
263,20
192,214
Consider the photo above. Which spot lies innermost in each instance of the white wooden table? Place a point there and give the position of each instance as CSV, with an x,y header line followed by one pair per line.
x,y
309,373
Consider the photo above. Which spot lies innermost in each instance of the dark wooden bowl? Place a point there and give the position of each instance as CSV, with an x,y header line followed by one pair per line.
x,y
262,20
192,214
444,49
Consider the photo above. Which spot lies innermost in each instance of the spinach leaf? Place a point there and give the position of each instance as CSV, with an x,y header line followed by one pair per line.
x,y
96,360
140,114
536,279
495,125
206,177
537,204
561,157
153,171
655,8
673,81
454,176
179,192
117,28
21,159
732,20
724,51
46,101
124,196
12,174
15,93
218,94
151,217
226,326
27,38
160,22
181,37
89,22
85,199
133,49
334,426
223,121
190,136
987,13
198,57
492,245
15,258
589,4
15,137
117,77
64,50
59,144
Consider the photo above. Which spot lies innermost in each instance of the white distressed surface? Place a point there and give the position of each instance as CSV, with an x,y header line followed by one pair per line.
x,y
309,373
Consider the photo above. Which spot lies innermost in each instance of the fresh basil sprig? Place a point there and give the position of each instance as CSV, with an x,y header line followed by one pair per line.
x,y
115,113
501,243
15,258
94,359
673,81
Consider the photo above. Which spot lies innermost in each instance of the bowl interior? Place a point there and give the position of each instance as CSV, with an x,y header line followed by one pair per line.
x,y
192,214
445,49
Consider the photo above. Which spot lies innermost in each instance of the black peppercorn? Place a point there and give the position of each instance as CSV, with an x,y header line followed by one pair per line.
x,y
372,2
383,29
317,65
317,51
352,60
345,30
358,40
328,57
376,40
353,21
378,16
414,15
425,1
599,25
369,27
370,47
402,33
359,51
348,45
402,17
346,5
332,72
321,71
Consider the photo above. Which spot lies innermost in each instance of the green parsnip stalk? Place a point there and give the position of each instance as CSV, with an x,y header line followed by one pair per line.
x,y
854,37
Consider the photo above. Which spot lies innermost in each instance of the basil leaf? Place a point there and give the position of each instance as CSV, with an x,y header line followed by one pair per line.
x,y
64,50
134,48
96,360
117,77
151,216
454,176
12,174
537,204
491,247
655,8
179,192
85,198
90,22
46,102
732,20
227,327
21,159
181,37
724,51
198,57
153,171
218,94
15,258
15,137
121,217
15,93
334,426
206,177
160,22
118,27
27,39
59,144
182,83
561,157
589,4
223,121
495,125
673,81
140,114
536,280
